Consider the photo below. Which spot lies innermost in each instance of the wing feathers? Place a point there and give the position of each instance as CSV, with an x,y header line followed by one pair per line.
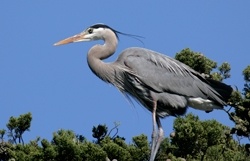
x,y
165,74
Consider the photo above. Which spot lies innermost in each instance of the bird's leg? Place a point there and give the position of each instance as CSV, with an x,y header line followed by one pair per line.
x,y
154,133
160,136
157,138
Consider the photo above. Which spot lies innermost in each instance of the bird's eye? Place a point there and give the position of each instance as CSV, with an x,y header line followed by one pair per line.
x,y
90,30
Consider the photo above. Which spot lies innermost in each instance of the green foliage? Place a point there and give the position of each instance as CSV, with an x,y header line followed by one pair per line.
x,y
202,64
2,133
65,144
222,73
241,104
196,60
194,137
48,150
99,132
27,152
91,152
116,149
246,73
192,140
139,149
5,151
17,126
204,140
225,70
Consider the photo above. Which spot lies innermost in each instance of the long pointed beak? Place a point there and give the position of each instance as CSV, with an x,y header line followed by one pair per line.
x,y
76,38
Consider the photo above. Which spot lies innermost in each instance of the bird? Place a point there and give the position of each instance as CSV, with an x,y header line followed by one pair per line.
x,y
163,85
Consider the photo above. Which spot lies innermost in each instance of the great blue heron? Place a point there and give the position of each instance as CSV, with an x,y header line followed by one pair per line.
x,y
163,85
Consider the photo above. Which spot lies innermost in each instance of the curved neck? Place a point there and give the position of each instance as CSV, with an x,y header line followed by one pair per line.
x,y
99,52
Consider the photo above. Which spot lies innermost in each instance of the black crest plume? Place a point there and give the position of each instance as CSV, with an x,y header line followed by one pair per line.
x,y
117,32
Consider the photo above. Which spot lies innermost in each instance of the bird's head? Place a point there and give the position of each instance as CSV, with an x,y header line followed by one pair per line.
x,y
94,32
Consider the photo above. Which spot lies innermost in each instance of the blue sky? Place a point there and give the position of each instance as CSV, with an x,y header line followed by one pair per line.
x,y
55,83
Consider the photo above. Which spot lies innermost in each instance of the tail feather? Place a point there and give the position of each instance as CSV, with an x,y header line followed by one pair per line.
x,y
223,89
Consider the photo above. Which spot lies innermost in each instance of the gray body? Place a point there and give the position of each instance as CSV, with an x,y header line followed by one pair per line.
x,y
162,84
147,76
